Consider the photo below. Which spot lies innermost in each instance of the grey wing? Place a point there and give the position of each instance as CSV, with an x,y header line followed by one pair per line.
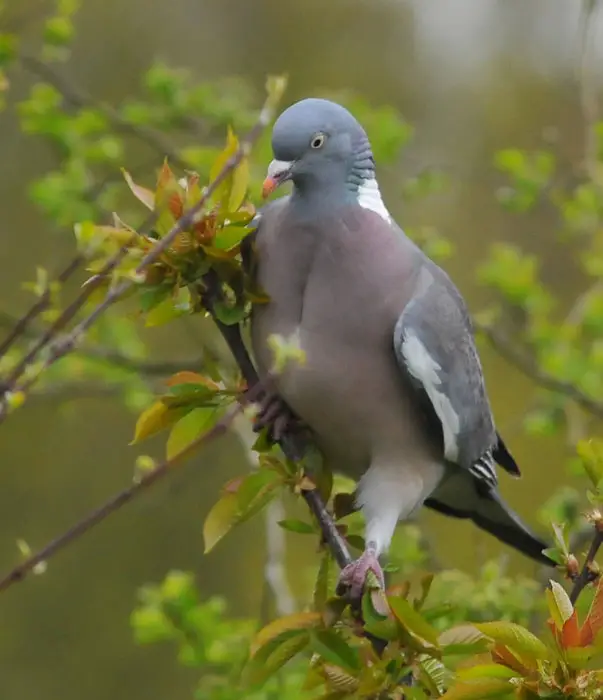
x,y
434,345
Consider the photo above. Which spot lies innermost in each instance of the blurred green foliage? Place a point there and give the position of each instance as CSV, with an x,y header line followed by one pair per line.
x,y
460,636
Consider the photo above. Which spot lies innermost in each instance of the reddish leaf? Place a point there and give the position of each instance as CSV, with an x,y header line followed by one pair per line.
x,y
594,620
570,634
144,195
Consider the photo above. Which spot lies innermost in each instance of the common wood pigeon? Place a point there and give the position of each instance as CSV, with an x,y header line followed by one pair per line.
x,y
392,385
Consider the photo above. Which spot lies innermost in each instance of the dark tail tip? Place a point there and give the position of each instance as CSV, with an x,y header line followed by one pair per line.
x,y
503,457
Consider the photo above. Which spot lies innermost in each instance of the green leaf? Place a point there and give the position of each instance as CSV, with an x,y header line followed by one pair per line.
x,y
462,640
238,504
434,675
150,297
229,314
240,182
321,587
288,623
479,689
591,455
229,236
517,638
560,606
220,519
297,526
154,419
188,429
334,649
271,657
413,621
163,313
486,671
256,491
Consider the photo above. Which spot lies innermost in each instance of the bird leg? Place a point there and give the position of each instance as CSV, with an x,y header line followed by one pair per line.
x,y
275,415
353,577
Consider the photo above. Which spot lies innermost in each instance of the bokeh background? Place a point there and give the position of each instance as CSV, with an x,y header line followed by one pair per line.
x,y
472,77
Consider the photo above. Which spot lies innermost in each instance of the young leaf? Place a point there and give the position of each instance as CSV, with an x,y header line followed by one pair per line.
x,y
594,619
229,236
321,587
479,689
188,429
163,312
517,638
256,490
413,621
295,621
298,526
240,182
434,675
486,671
269,659
144,195
220,519
335,650
462,640
154,419
560,606
187,377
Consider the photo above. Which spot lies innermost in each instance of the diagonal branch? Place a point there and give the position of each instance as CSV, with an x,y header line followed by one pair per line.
x,y
19,572
527,366
22,324
587,574
80,99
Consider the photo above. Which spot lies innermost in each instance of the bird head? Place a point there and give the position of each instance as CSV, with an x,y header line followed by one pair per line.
x,y
317,144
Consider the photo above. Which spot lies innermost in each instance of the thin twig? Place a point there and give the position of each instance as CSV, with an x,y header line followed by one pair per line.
x,y
527,366
146,368
587,575
140,484
78,98
22,324
67,343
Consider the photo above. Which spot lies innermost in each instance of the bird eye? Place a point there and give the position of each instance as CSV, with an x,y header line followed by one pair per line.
x,y
317,140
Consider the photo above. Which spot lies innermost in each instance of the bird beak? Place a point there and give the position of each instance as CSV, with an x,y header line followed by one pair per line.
x,y
279,171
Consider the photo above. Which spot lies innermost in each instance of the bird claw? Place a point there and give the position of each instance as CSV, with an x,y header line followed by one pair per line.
x,y
352,578
275,415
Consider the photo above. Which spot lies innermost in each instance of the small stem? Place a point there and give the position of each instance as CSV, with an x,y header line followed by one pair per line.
x,y
586,574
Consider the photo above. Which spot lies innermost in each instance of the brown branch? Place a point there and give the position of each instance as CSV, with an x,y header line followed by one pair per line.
x,y
78,98
19,572
145,368
22,324
587,574
61,346
528,366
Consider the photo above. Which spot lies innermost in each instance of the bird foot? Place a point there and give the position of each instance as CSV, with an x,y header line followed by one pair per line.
x,y
275,415
352,578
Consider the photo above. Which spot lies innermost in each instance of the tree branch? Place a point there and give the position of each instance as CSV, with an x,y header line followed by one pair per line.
x,y
527,366
587,574
80,99
21,325
19,572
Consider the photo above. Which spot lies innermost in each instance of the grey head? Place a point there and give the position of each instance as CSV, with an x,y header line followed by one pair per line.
x,y
322,148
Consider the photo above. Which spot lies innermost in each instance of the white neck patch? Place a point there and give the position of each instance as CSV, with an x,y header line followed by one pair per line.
x,y
369,197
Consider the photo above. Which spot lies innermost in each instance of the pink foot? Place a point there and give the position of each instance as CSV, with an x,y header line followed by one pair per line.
x,y
353,577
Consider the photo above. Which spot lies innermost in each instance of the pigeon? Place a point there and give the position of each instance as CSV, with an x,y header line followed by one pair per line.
x,y
391,385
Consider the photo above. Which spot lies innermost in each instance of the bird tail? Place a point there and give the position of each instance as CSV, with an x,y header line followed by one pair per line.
x,y
493,515
489,512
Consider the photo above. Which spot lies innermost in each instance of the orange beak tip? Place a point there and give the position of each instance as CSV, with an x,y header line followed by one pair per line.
x,y
268,187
